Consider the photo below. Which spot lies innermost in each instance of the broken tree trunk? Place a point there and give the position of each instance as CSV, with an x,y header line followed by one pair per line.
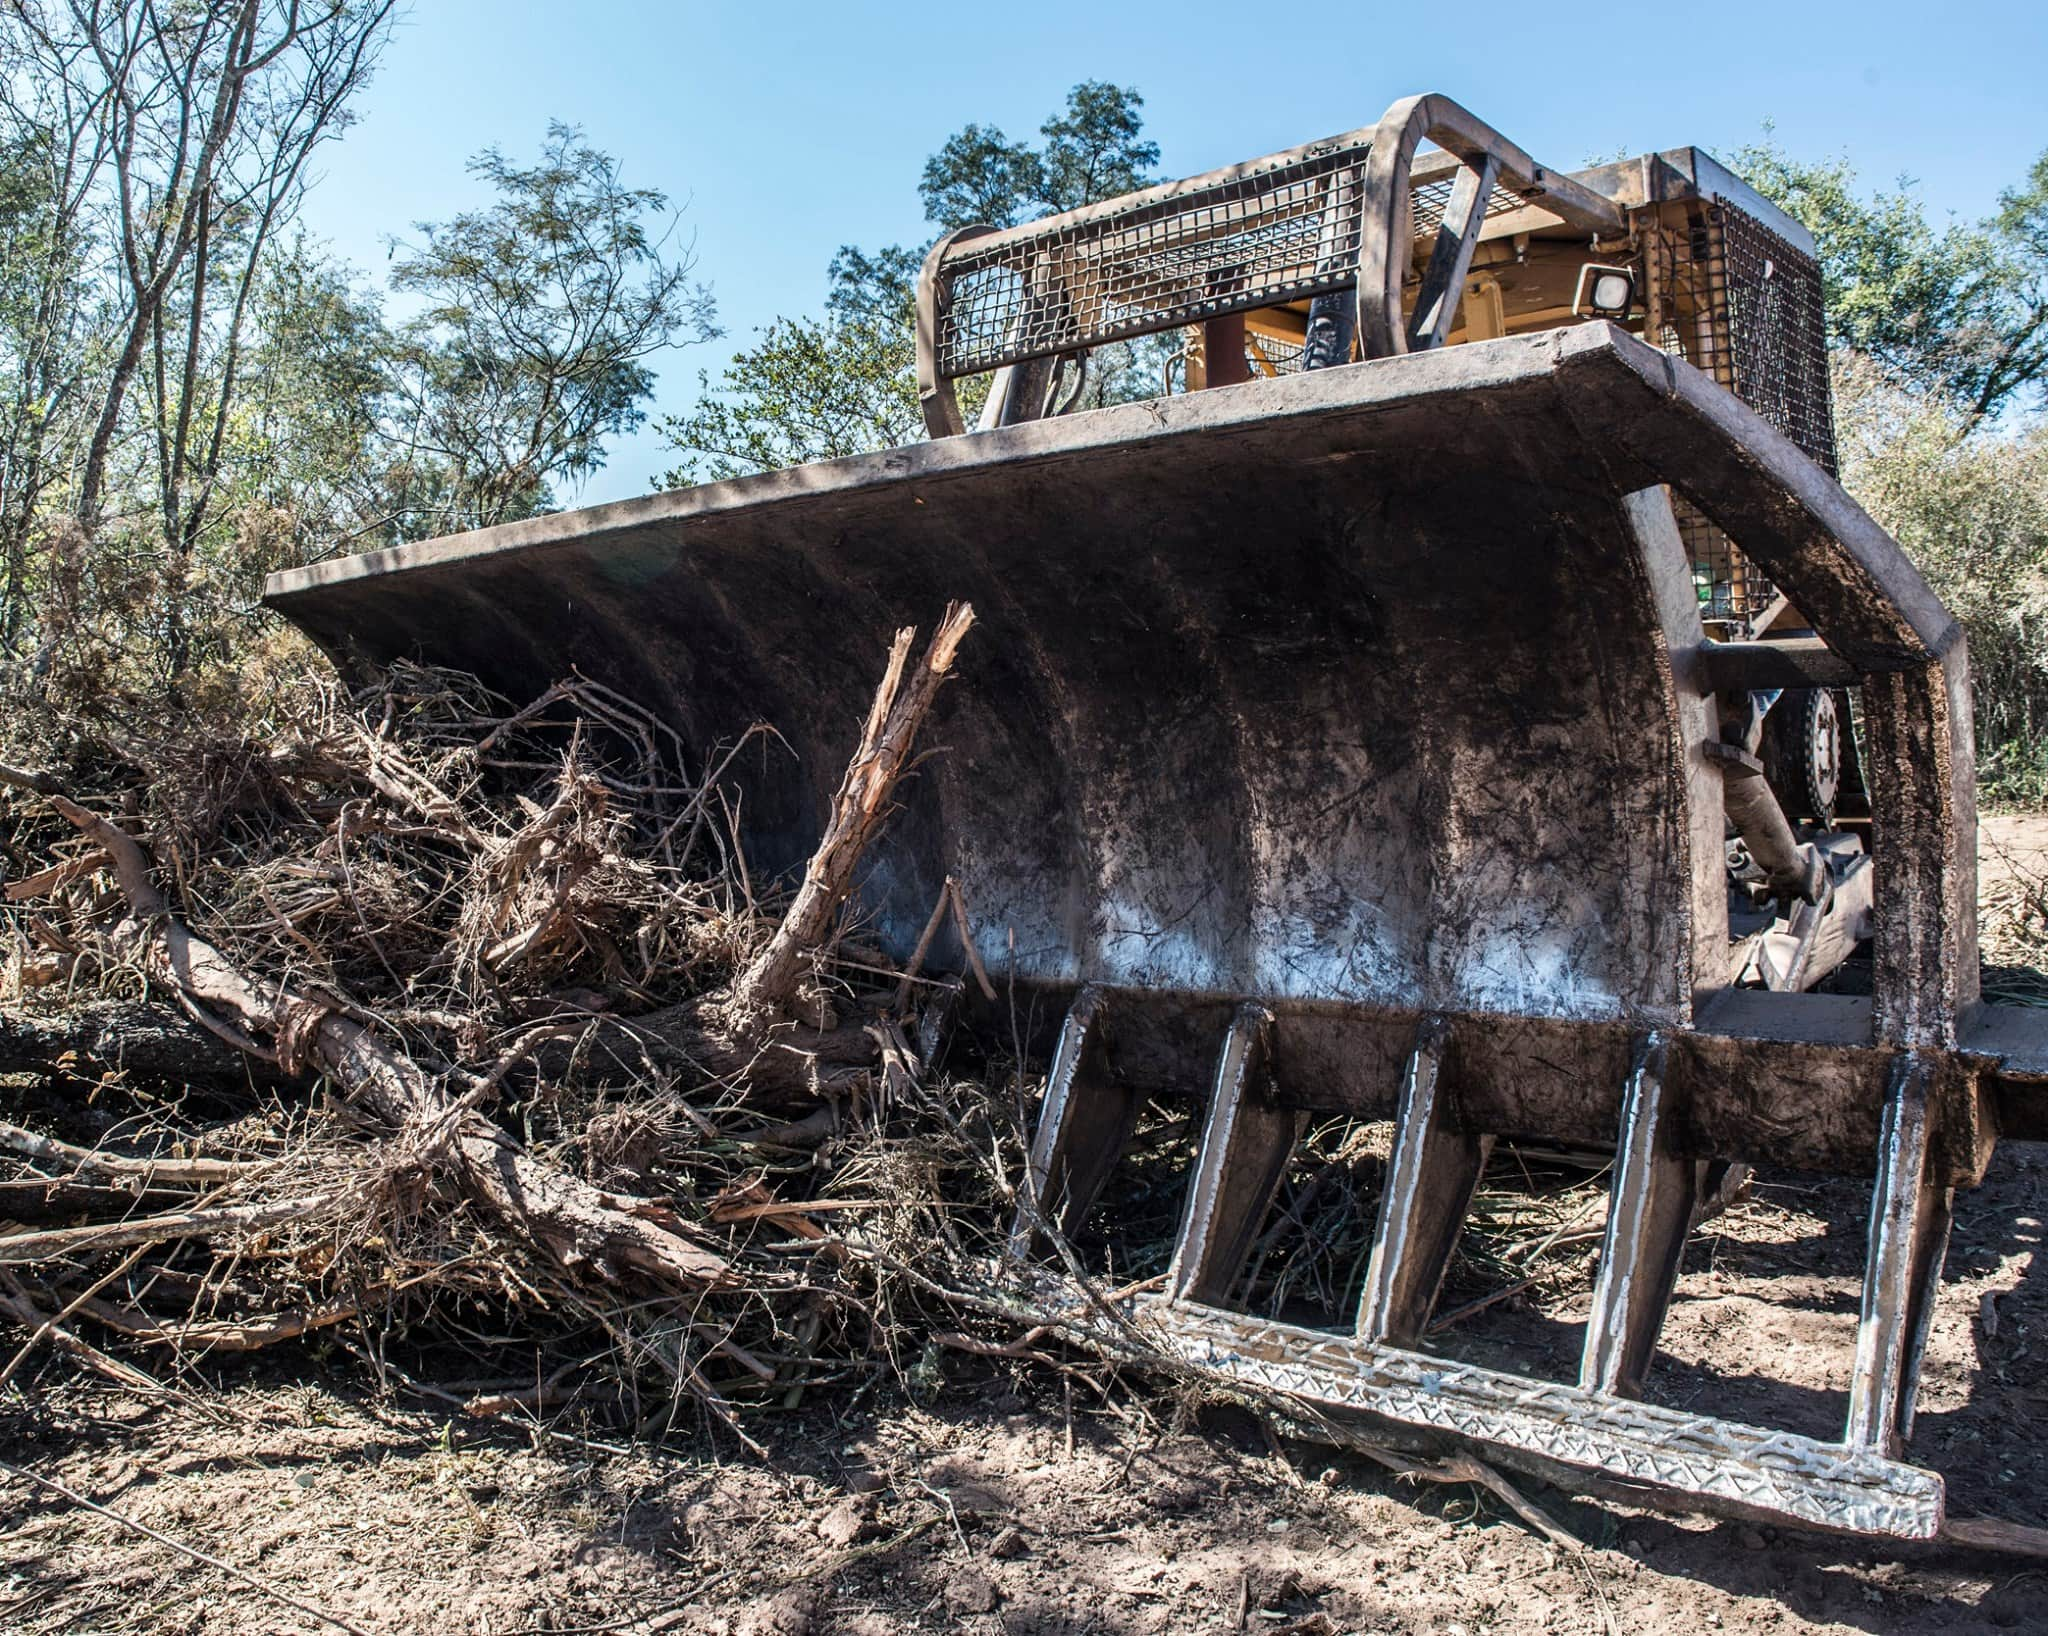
x,y
767,989
760,1033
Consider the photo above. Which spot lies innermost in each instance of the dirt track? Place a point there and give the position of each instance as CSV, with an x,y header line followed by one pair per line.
x,y
995,1506
973,1515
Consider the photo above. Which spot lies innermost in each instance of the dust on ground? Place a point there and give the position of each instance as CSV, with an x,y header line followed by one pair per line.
x,y
981,1496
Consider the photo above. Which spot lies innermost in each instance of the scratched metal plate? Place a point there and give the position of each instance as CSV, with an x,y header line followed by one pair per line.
x,y
1334,687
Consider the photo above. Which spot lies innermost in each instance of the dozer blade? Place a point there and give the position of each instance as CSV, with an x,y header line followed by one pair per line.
x,y
1338,742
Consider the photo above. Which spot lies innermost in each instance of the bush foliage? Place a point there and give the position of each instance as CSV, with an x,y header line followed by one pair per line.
x,y
1971,509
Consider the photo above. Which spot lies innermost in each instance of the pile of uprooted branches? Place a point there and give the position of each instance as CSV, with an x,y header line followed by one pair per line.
x,y
421,1008
455,1033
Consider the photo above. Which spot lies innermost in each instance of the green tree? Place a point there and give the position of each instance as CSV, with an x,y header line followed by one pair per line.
x,y
539,315
2013,354
815,389
308,438
192,393
1096,148
167,144
980,177
1971,509
873,289
46,354
810,388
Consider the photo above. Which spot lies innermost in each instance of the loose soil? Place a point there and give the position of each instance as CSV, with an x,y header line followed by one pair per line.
x,y
963,1495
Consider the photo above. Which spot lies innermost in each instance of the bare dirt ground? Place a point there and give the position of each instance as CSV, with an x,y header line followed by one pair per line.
x,y
979,1496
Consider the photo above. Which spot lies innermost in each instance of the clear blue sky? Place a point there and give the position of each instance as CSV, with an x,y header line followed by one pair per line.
x,y
789,129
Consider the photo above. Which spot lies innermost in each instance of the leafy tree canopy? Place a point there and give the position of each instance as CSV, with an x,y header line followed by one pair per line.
x,y
813,389
540,313
1094,149
981,176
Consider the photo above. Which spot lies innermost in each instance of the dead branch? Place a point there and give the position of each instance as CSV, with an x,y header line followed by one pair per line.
x,y
249,1335
41,1326
89,1162
41,1198
769,985
748,1038
1996,1534
27,1249
1465,1468
576,1225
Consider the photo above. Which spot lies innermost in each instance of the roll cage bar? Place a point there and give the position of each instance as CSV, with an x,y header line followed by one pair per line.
x,y
1332,222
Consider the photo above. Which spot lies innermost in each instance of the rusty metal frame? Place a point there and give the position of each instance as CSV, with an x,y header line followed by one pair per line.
x,y
1479,160
1909,657
1660,1453
1434,1167
1384,247
1247,1139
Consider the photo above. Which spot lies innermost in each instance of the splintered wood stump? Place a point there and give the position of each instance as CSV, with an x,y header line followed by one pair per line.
x,y
753,1035
768,987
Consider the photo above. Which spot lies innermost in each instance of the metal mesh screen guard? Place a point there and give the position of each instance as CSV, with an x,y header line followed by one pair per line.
x,y
1765,339
1277,230
1779,333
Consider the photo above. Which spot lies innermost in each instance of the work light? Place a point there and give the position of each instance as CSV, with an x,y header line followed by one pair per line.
x,y
1604,292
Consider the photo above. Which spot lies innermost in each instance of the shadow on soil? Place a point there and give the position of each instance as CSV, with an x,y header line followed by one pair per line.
x,y
971,1512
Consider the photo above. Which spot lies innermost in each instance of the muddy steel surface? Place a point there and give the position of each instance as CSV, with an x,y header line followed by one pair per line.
x,y
1287,744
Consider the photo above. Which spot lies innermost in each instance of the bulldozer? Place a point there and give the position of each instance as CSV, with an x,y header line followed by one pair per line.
x,y
1293,780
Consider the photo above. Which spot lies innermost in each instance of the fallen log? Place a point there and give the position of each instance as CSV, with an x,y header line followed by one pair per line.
x,y
169,1170
41,1199
249,1335
29,1249
141,1042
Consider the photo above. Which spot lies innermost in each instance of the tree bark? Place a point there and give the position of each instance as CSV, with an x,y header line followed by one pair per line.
x,y
769,986
144,1041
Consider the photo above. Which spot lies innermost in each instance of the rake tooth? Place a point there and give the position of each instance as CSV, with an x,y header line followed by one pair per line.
x,y
1430,1178
1651,1202
1082,1129
1246,1142
1909,1225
